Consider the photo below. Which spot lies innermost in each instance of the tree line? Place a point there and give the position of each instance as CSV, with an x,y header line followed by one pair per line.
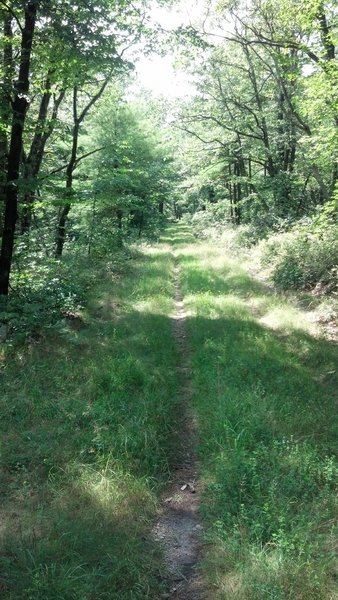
x,y
81,163
266,113
59,59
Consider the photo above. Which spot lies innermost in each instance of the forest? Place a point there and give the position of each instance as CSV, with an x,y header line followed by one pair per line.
x,y
168,300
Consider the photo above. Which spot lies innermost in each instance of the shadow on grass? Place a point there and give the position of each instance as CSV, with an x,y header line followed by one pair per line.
x,y
268,432
90,433
90,543
82,533
285,378
179,235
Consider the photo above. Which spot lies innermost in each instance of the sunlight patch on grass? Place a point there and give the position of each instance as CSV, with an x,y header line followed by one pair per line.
x,y
287,318
215,277
265,405
155,250
212,306
89,415
115,493
157,305
265,574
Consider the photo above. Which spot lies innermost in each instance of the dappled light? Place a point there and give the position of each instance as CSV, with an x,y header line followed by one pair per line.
x,y
168,300
89,443
87,449
266,428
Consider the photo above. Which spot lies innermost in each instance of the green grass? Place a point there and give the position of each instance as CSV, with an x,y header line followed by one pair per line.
x,y
88,413
266,402
90,432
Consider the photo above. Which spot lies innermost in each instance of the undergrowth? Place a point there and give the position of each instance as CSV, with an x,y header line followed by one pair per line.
x,y
304,258
45,290
301,255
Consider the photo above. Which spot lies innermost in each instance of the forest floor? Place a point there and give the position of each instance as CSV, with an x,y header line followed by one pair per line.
x,y
178,439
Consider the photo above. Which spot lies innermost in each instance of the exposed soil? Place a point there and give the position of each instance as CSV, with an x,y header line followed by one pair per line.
x,y
178,528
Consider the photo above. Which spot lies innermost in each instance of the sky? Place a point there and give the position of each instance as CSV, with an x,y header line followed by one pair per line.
x,y
157,73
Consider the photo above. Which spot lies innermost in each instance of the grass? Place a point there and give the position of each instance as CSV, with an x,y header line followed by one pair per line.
x,y
90,432
88,412
265,394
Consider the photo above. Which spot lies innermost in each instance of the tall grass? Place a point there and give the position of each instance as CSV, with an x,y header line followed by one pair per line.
x,y
88,413
266,402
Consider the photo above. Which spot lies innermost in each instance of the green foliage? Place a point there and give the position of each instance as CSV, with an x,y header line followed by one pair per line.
x,y
263,123
306,256
301,256
43,292
204,223
214,222
107,239
133,173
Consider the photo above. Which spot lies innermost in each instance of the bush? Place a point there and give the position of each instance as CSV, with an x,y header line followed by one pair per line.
x,y
214,223
304,257
43,292
204,224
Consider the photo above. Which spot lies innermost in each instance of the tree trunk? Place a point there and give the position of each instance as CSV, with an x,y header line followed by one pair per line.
x,y
43,131
119,215
64,212
140,227
270,166
61,227
61,230
231,196
332,74
5,100
237,194
20,106
72,164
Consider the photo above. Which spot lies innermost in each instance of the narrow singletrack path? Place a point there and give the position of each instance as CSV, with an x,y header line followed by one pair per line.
x,y
178,528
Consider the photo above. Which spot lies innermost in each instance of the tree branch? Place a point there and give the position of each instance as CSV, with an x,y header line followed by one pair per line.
x,y
224,126
11,11
63,167
215,140
94,99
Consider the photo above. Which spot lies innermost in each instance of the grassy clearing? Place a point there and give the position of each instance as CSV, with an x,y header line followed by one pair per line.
x,y
88,412
266,400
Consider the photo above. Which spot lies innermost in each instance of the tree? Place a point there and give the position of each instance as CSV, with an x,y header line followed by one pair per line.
x,y
20,107
78,118
134,169
72,47
253,112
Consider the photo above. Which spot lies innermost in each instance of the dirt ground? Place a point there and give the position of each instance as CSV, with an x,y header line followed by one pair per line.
x,y
178,528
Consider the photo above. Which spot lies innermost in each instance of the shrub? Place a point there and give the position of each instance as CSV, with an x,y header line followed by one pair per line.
x,y
304,257
42,294
214,223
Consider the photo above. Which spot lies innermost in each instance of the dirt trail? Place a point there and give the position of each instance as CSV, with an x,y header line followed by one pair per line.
x,y
178,528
